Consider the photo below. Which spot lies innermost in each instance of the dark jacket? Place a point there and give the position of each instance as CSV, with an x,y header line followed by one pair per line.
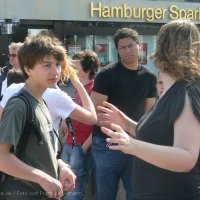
x,y
3,74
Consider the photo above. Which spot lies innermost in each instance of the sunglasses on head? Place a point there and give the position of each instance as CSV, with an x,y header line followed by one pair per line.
x,y
12,55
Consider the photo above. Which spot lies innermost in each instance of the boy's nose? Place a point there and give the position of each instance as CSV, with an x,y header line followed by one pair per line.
x,y
56,69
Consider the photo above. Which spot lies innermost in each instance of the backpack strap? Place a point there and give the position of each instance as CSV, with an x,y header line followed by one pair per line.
x,y
59,152
29,128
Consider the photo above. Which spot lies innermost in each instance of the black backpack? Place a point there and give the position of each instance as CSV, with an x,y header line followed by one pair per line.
x,y
29,128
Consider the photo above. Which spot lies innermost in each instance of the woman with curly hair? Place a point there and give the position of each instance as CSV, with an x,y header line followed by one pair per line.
x,y
165,142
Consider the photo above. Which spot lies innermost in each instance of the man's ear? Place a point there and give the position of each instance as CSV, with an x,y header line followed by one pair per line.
x,y
27,70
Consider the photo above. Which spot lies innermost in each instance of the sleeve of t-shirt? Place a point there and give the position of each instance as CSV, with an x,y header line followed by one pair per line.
x,y
12,121
10,91
63,104
102,83
4,100
153,90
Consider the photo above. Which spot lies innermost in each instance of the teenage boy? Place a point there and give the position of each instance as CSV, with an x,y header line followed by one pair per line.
x,y
38,174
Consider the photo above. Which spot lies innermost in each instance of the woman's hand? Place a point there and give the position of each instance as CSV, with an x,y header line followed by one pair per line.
x,y
118,139
111,114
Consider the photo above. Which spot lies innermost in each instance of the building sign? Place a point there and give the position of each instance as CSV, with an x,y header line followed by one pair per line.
x,y
124,11
160,11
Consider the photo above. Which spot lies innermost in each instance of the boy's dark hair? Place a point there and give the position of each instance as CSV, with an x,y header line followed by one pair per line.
x,y
124,33
35,48
89,62
15,76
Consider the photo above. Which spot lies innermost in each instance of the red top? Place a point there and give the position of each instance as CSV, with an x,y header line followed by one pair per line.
x,y
82,131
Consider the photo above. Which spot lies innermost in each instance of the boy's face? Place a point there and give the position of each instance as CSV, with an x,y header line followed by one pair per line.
x,y
81,74
45,74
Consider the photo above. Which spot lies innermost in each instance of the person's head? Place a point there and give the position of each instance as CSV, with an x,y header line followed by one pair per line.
x,y
178,50
159,85
14,76
41,57
13,49
86,63
127,43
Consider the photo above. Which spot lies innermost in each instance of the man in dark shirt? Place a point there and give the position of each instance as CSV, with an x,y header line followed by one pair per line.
x,y
131,88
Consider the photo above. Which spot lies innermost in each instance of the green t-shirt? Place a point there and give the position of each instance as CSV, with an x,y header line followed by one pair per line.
x,y
13,120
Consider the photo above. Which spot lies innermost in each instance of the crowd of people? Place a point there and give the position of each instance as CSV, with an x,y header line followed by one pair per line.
x,y
125,123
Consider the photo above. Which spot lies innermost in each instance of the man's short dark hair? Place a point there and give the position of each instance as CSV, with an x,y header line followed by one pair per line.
x,y
124,33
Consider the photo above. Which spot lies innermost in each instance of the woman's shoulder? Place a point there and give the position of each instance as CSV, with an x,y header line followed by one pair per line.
x,y
193,86
193,91
176,97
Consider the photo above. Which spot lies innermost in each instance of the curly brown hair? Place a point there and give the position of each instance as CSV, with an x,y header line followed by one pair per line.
x,y
178,50
125,33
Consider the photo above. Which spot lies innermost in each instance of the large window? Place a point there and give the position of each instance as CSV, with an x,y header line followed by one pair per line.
x,y
102,45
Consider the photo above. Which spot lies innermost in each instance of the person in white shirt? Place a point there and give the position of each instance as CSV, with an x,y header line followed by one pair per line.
x,y
59,103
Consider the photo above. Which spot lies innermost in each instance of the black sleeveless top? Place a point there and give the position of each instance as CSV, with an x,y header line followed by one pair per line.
x,y
151,182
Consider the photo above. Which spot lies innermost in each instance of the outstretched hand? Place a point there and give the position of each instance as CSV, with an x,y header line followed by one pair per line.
x,y
111,114
118,139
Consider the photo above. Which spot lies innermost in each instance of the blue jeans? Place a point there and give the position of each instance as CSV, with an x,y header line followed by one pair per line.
x,y
109,167
80,165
